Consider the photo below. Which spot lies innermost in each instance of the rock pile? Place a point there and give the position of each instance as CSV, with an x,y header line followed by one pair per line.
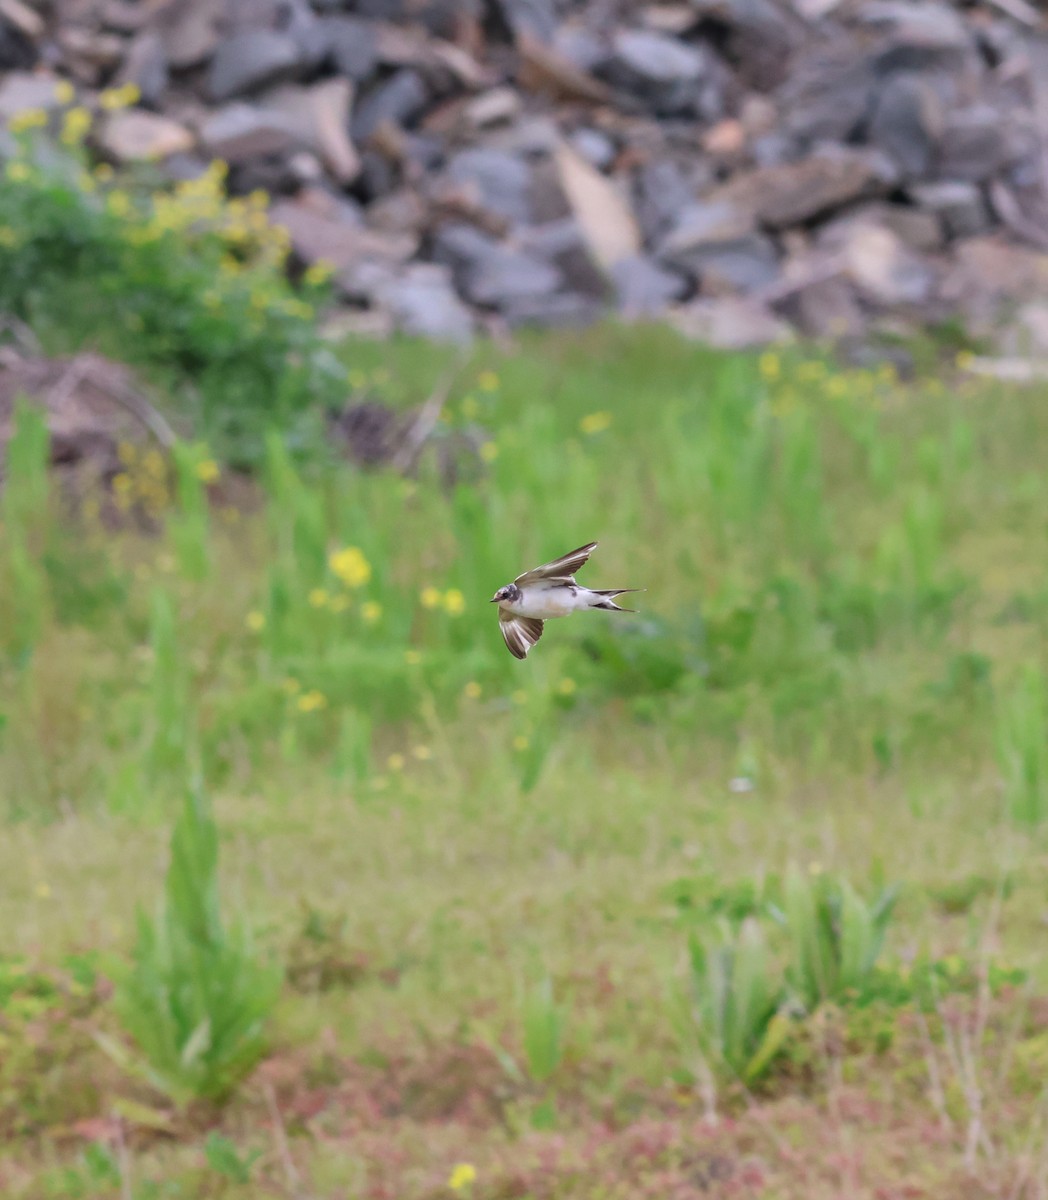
x,y
747,167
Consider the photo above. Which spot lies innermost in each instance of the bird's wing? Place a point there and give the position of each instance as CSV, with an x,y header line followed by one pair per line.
x,y
520,633
560,568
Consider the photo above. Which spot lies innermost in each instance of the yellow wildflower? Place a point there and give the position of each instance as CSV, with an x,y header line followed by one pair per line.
x,y
520,742
395,762
113,99
462,1175
567,687
255,621
8,237
430,597
318,598
488,451
311,701
65,93
770,366
964,359
28,118
118,203
356,379
318,274
371,611
472,690
17,172
412,657
350,565
595,422
488,381
207,471
454,602
422,753
75,125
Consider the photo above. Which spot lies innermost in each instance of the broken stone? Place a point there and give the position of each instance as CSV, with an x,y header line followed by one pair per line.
x,y
423,303
545,69
563,243
643,288
503,274
191,31
531,18
739,265
320,113
960,207
907,123
706,224
249,60
603,215
239,132
145,65
824,308
660,70
881,267
352,46
559,311
20,91
501,182
399,100
595,147
135,135
319,234
797,192
729,323
977,143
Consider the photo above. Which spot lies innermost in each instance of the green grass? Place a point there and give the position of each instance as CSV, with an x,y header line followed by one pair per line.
x,y
488,864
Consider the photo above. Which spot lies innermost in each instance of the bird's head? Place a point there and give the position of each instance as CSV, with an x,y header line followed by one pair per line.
x,y
504,593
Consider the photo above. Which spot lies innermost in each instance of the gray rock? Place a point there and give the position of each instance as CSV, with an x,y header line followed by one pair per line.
x,y
534,18
351,45
663,190
824,308
881,266
563,243
461,246
917,229
239,131
136,135
366,281
920,34
145,65
705,224
249,60
557,311
595,147
739,266
190,31
907,123
643,288
661,71
399,100
978,142
797,192
502,182
319,232
828,94
960,207
19,91
423,304
729,323
503,274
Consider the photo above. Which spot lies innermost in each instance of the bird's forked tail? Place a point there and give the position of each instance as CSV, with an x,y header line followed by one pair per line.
x,y
607,604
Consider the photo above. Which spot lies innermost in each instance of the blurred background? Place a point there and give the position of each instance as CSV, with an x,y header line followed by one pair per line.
x,y
320,320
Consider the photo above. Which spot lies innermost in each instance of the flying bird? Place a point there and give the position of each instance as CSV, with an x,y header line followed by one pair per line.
x,y
546,592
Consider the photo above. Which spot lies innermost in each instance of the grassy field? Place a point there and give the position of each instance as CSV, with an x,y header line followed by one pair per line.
x,y
515,904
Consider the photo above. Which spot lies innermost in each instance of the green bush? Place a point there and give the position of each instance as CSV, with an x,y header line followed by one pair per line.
x,y
835,936
185,283
197,996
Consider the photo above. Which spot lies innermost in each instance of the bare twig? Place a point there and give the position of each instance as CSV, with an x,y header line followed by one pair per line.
x,y
123,1162
138,406
407,453
281,1143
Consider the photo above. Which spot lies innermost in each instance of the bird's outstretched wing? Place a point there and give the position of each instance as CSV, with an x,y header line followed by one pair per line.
x,y
560,568
520,633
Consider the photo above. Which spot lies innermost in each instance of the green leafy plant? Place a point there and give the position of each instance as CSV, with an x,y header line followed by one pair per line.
x,y
835,936
224,1158
1022,747
736,1001
197,995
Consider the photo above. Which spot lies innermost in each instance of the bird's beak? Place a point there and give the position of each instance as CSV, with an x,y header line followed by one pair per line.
x,y
494,600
